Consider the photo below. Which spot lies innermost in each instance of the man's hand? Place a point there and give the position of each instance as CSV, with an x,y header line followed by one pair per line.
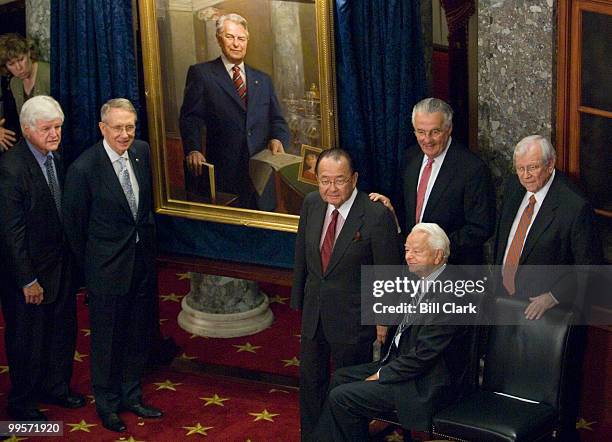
x,y
7,137
387,203
372,377
33,294
381,333
275,146
539,304
195,162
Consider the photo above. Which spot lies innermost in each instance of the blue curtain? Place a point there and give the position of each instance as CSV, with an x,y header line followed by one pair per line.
x,y
93,53
381,75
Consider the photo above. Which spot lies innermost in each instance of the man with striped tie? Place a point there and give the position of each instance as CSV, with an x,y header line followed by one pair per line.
x,y
236,106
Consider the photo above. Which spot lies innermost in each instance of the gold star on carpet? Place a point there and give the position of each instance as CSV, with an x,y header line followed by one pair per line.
x,y
81,426
394,437
278,299
197,429
182,276
214,400
582,424
291,362
79,356
167,385
86,331
247,347
14,438
131,439
187,358
92,399
264,416
276,390
171,297
4,369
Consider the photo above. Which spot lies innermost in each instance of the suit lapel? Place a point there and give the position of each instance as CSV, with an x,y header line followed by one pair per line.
x,y
110,179
140,177
352,224
543,219
36,175
506,219
225,82
410,187
314,233
253,86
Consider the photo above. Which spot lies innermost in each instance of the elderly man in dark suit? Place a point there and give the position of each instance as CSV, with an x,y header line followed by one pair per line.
x,y
38,299
446,184
237,106
426,365
109,222
545,221
340,230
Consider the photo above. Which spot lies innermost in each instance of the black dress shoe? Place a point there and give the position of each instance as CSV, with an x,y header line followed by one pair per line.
x,y
69,400
144,411
113,422
26,414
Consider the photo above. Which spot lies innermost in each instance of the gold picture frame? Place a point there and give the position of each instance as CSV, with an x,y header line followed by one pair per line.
x,y
177,34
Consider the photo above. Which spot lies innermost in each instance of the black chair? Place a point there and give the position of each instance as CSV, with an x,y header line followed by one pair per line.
x,y
524,383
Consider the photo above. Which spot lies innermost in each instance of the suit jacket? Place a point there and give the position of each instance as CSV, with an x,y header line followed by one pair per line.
x,y
563,233
99,224
234,132
461,202
30,227
369,236
431,367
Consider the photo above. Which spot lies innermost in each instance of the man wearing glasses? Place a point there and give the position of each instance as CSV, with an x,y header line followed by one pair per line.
x,y
109,222
340,230
544,221
446,184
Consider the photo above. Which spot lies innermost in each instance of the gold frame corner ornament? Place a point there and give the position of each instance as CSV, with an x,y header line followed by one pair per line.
x,y
166,205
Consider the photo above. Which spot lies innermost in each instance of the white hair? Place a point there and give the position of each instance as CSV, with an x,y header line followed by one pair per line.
x,y
436,237
40,108
548,151
234,18
431,106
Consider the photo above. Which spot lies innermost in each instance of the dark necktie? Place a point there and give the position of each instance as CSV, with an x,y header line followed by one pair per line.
x,y
514,252
239,84
422,189
328,241
53,183
126,185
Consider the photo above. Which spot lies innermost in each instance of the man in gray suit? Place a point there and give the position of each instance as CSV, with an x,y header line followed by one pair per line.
x,y
340,230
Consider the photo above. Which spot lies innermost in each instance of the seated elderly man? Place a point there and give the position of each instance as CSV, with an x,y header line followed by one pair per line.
x,y
426,363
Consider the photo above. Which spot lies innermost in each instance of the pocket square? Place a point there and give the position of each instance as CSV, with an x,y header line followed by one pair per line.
x,y
357,236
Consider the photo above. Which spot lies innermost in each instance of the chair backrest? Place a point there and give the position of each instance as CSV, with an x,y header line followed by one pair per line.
x,y
528,358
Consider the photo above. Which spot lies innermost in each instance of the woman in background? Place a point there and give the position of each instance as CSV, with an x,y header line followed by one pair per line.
x,y
31,77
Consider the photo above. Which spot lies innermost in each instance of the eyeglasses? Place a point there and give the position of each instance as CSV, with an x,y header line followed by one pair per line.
x,y
531,169
434,133
118,130
338,182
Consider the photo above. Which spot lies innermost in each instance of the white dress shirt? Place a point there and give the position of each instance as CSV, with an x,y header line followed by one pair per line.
x,y
343,212
114,157
435,169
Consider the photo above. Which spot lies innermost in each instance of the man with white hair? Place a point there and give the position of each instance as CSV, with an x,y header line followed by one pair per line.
x,y
38,299
236,106
545,221
425,366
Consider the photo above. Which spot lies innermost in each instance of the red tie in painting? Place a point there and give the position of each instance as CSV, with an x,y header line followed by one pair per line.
x,y
328,241
514,252
239,84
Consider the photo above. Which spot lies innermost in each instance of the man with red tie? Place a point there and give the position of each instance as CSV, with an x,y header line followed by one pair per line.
x,y
446,184
545,221
236,107
340,230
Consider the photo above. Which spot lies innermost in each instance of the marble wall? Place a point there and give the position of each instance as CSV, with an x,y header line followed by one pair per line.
x,y
38,25
516,43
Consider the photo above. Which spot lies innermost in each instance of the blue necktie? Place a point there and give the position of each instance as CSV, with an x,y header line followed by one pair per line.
x,y
126,184
53,183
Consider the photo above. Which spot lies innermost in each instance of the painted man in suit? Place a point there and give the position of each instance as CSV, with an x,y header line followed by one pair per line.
x,y
545,221
340,230
38,299
109,222
446,184
237,106
424,367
